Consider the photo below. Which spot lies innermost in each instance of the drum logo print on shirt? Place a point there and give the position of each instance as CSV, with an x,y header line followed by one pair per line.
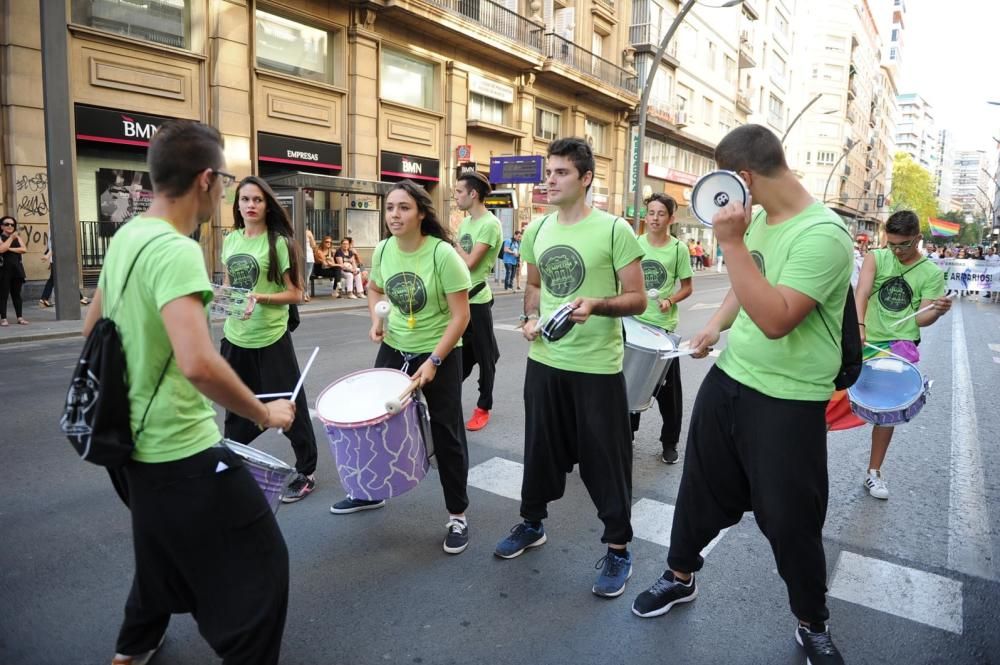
x,y
407,292
758,260
895,295
654,274
562,270
466,243
243,271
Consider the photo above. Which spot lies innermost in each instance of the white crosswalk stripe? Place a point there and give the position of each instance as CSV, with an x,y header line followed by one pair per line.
x,y
651,520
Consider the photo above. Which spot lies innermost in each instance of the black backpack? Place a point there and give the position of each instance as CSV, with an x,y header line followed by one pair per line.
x,y
96,414
850,337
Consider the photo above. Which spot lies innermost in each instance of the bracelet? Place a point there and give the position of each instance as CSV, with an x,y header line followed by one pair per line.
x,y
862,325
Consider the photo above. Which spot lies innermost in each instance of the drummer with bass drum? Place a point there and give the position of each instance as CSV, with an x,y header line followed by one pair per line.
x,y
427,282
896,282
664,265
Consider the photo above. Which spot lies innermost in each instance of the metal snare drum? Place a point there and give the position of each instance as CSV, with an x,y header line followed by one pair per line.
x,y
271,474
890,391
647,359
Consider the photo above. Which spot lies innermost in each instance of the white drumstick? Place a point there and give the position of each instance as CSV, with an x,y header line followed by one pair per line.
x,y
678,353
653,294
919,311
394,406
272,395
382,309
302,378
886,351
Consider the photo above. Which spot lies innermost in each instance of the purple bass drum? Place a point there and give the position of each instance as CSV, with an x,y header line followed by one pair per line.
x,y
378,455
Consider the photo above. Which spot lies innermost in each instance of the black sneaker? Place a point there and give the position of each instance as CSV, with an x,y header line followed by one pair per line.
x,y
818,644
350,505
458,536
301,487
664,594
669,455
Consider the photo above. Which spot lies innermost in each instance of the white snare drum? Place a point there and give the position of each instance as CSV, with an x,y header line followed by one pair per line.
x,y
271,474
647,359
378,455
714,191
889,391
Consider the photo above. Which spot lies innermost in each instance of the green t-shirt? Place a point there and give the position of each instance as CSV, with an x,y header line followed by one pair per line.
x,y
417,284
662,268
484,230
181,421
247,262
580,260
896,293
813,254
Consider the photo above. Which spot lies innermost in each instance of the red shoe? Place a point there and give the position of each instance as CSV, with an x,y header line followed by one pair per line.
x,y
478,420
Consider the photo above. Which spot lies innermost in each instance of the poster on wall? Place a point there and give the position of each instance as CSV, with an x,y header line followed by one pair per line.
x,y
122,194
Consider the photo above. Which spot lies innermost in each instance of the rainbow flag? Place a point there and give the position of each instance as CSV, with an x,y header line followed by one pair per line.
x,y
940,227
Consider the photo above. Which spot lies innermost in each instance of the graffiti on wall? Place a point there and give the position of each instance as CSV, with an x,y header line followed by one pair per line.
x,y
31,191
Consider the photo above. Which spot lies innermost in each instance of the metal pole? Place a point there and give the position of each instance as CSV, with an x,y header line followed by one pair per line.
x,y
830,177
800,114
59,159
644,104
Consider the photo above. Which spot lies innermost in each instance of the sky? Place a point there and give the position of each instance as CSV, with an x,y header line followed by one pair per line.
x,y
951,58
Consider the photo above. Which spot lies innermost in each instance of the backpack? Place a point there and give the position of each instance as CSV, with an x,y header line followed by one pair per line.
x,y
850,337
503,246
96,417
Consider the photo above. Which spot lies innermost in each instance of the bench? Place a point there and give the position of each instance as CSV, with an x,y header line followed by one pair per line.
x,y
318,272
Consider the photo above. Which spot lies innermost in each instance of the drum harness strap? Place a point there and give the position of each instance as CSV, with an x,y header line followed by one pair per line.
x,y
900,276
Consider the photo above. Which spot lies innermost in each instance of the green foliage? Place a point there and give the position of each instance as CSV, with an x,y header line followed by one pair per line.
x,y
913,189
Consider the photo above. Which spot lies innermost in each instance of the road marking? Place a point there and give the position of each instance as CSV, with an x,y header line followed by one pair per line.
x,y
499,476
994,347
652,520
912,594
507,326
704,305
970,549
996,359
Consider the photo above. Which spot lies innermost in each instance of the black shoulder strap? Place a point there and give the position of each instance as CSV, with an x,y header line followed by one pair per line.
x,y
902,274
128,274
850,290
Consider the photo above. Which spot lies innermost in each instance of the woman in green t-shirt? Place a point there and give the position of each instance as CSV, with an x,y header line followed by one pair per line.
x,y
427,284
261,255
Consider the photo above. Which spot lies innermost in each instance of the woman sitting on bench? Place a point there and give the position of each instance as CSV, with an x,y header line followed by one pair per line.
x,y
326,266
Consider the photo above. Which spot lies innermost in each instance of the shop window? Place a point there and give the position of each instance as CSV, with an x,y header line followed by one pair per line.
x,y
486,109
546,124
166,22
597,135
407,80
293,48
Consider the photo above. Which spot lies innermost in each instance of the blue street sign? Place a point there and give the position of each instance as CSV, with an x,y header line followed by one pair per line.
x,y
526,169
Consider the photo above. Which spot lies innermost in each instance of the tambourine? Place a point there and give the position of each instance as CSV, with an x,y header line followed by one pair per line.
x,y
559,324
714,191
233,302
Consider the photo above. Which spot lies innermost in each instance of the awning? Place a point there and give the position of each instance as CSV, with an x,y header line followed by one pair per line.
x,y
329,183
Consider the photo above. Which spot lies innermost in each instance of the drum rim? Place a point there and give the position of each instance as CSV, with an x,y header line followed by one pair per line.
x,y
878,409
257,455
660,350
355,424
701,181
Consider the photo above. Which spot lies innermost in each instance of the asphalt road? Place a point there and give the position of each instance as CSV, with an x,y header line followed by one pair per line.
x,y
913,579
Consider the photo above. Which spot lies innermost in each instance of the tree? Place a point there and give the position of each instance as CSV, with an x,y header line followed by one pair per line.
x,y
913,189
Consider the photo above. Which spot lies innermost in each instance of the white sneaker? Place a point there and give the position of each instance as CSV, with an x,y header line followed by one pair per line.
x,y
876,484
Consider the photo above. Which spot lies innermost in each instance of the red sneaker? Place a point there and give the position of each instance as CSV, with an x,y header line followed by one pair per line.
x,y
478,420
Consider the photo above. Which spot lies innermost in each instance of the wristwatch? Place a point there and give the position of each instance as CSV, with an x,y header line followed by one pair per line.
x,y
435,360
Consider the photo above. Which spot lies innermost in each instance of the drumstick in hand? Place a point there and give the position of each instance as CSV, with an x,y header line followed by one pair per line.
x,y
394,406
382,309
919,311
302,378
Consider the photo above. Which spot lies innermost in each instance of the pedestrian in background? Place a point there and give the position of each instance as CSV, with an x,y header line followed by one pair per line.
x,y
511,259
12,274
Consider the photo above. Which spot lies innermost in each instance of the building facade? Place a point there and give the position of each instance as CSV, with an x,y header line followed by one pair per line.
x,y
350,95
972,183
943,177
916,132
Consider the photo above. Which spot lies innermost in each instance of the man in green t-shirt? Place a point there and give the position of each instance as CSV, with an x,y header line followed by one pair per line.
x,y
665,265
576,410
757,437
896,282
204,537
479,238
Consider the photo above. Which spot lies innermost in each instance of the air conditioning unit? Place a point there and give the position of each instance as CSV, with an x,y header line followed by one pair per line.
x,y
681,119
745,36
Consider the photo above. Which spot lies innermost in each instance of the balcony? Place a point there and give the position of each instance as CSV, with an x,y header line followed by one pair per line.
x,y
852,89
646,39
563,52
747,59
743,101
485,27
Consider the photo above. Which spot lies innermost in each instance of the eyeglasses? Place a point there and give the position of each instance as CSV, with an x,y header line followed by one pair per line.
x,y
901,245
227,178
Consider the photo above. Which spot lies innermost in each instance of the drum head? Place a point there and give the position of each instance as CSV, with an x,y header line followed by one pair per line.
x,y
714,191
886,384
645,336
559,324
258,456
361,396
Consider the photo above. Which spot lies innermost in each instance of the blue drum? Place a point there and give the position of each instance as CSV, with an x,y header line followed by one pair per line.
x,y
890,391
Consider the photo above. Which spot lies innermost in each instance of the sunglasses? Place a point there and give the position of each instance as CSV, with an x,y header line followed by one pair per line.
x,y
901,245
10,224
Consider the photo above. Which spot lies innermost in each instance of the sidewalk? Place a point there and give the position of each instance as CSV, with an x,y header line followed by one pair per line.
x,y
44,325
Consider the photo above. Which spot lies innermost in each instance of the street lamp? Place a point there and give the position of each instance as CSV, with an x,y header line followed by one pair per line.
x,y
644,100
801,113
850,146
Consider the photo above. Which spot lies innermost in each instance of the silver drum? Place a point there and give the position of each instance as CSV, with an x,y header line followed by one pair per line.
x,y
647,359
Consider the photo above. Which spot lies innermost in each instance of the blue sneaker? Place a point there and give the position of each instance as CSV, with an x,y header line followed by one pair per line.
x,y
521,537
615,572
